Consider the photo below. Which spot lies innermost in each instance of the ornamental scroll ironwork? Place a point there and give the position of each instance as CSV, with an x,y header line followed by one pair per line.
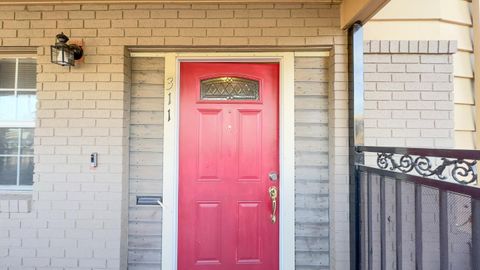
x,y
462,171
229,88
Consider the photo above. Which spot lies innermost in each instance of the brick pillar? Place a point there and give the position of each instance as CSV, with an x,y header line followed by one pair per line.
x,y
409,103
409,93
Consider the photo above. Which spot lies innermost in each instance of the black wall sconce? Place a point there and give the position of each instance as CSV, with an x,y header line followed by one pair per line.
x,y
65,54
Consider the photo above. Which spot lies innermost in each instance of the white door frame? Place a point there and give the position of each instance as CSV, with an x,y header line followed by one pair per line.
x,y
171,149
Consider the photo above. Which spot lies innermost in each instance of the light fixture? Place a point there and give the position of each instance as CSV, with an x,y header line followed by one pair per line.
x,y
65,54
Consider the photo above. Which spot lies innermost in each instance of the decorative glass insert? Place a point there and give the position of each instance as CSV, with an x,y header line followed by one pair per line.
x,y
229,88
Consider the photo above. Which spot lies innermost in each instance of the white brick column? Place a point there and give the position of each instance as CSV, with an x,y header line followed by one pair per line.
x,y
409,93
338,157
408,103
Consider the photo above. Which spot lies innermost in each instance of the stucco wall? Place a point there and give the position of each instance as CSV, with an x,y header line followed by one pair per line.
x,y
78,215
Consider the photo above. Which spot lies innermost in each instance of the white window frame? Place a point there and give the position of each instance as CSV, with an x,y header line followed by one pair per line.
x,y
17,124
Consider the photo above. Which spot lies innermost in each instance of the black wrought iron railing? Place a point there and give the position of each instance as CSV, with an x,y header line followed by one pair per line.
x,y
418,208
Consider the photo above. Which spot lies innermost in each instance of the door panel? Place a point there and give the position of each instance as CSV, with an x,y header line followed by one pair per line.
x,y
249,145
248,233
209,144
208,242
228,146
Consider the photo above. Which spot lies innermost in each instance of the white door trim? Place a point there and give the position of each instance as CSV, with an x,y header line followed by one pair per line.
x,y
171,150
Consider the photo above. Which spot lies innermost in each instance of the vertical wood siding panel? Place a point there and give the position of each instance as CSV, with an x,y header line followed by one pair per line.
x,y
311,163
146,158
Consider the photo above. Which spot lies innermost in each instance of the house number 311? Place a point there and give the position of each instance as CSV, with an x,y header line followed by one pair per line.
x,y
169,87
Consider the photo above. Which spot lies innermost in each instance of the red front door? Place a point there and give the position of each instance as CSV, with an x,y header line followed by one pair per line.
x,y
228,163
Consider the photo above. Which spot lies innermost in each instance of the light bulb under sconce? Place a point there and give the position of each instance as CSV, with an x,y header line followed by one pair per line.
x,y
65,54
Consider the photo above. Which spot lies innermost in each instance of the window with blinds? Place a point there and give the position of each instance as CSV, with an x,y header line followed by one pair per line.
x,y
17,122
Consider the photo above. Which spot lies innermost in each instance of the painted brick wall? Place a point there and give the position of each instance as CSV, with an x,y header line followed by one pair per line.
x,y
409,93
338,158
78,217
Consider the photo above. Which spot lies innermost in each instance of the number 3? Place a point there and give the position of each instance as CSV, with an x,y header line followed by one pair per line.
x,y
169,83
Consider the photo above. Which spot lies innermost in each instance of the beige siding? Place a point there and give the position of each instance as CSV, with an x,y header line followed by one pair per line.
x,y
146,149
437,20
311,163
